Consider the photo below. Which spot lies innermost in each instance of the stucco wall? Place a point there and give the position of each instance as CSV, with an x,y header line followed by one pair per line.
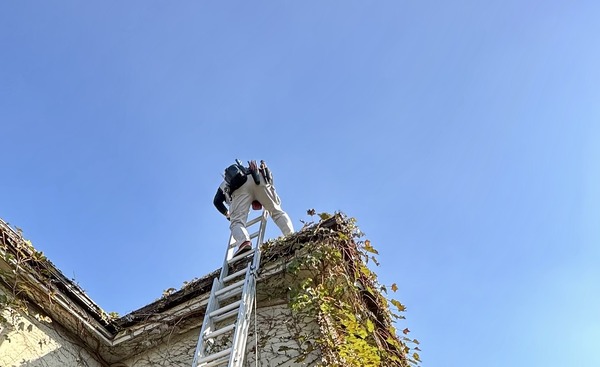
x,y
282,339
32,339
26,341
278,343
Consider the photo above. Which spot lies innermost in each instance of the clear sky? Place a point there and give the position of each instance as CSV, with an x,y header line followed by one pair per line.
x,y
463,136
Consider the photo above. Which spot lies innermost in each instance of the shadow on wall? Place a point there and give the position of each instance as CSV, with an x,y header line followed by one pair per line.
x,y
27,343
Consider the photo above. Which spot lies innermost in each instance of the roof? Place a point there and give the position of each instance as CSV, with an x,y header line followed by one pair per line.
x,y
40,282
60,298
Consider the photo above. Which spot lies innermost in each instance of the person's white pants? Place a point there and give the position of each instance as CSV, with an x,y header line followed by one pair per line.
x,y
241,200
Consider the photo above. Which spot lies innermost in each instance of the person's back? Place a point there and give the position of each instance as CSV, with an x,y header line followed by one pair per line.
x,y
243,192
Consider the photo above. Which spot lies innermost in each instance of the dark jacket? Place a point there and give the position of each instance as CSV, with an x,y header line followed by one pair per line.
x,y
220,199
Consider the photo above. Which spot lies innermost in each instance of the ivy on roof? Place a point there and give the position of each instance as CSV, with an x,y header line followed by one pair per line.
x,y
332,283
327,279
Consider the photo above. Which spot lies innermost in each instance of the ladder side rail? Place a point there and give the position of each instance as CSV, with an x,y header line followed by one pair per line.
x,y
257,252
255,220
206,323
263,226
241,331
228,255
256,263
248,296
231,244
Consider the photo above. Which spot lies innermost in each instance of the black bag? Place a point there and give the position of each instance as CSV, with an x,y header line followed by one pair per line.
x,y
235,176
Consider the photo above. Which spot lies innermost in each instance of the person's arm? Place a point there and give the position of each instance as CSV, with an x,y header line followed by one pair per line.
x,y
218,202
254,172
266,172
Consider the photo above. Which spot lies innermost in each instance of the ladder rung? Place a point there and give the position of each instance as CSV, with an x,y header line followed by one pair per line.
x,y
237,302
234,275
223,362
241,256
231,294
253,221
213,357
229,288
225,316
233,244
220,331
224,309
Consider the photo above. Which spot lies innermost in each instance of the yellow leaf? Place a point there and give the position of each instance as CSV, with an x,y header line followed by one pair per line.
x,y
370,248
370,326
398,305
394,287
416,357
324,216
366,272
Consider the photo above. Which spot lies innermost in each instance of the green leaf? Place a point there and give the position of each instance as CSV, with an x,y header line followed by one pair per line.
x,y
370,326
370,248
324,216
366,272
343,236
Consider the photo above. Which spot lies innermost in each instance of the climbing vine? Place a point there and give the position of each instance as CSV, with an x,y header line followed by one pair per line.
x,y
328,284
333,284
19,255
22,321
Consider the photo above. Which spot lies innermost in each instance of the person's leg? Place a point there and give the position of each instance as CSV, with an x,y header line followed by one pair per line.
x,y
268,197
238,212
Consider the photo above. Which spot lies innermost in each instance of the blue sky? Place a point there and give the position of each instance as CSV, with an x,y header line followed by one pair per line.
x,y
463,137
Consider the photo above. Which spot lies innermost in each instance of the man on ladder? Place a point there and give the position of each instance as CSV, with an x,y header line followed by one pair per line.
x,y
241,193
229,307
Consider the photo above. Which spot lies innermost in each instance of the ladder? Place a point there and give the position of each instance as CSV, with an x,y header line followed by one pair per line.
x,y
222,340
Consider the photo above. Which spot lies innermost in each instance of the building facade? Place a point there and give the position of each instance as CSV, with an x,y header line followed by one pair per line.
x,y
48,320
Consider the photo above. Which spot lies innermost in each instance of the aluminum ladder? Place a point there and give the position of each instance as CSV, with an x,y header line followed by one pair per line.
x,y
222,340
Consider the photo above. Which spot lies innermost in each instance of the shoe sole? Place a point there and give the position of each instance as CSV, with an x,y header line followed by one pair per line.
x,y
242,250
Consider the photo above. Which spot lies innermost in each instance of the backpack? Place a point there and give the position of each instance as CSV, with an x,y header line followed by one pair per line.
x,y
235,176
